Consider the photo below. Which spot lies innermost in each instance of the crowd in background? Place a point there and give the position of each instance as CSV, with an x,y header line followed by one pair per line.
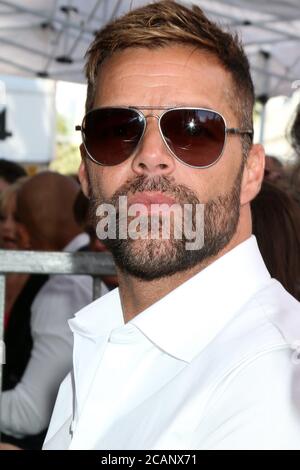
x,y
39,213
48,212
276,216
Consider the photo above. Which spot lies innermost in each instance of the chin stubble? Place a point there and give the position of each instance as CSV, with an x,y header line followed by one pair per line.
x,y
150,259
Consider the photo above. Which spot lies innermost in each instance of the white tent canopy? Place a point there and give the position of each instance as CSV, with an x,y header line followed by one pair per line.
x,y
48,38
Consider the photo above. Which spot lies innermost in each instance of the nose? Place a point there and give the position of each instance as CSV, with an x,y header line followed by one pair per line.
x,y
152,156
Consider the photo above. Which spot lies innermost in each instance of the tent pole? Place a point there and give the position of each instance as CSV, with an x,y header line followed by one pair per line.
x,y
262,121
263,98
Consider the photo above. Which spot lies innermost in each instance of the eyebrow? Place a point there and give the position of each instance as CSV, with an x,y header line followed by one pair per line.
x,y
177,105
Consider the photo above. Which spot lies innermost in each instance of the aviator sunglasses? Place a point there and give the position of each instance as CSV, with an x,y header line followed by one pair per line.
x,y
194,136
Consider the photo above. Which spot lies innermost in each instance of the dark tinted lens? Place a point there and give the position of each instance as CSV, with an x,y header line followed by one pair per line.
x,y
195,136
112,134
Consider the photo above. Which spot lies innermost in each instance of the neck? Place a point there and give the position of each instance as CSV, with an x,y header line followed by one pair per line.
x,y
137,294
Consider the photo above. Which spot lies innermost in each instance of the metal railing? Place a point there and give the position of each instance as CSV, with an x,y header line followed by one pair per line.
x,y
36,262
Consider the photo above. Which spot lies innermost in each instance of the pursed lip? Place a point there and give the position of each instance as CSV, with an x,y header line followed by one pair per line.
x,y
150,198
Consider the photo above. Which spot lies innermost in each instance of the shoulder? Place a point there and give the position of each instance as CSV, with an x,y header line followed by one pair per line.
x,y
256,405
263,339
60,298
66,283
254,376
268,319
278,312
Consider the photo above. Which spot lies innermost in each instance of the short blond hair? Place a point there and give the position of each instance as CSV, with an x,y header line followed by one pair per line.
x,y
165,23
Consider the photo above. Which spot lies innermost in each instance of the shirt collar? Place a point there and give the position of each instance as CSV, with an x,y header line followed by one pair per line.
x,y
78,242
100,317
187,319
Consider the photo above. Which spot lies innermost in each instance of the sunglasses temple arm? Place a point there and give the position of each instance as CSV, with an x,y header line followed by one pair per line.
x,y
236,130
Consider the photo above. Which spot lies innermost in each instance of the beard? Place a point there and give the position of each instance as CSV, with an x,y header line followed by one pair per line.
x,y
150,259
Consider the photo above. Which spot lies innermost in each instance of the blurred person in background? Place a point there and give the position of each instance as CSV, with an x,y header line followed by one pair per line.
x,y
294,134
20,290
9,173
35,367
274,169
294,170
276,225
294,181
11,239
84,219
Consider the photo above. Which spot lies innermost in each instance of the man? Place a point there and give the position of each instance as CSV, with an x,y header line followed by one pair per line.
x,y
38,340
194,349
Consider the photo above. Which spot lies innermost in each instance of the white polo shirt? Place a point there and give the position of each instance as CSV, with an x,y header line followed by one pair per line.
x,y
212,365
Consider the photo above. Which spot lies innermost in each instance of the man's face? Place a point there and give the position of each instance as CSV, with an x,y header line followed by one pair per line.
x,y
171,76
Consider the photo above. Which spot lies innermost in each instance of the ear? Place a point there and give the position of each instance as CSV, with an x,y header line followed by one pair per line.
x,y
82,173
253,174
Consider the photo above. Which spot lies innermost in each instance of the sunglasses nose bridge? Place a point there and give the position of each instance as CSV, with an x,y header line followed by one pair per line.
x,y
156,116
150,156
149,115
152,115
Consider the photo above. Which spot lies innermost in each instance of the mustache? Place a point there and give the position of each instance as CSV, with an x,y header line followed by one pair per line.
x,y
158,183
